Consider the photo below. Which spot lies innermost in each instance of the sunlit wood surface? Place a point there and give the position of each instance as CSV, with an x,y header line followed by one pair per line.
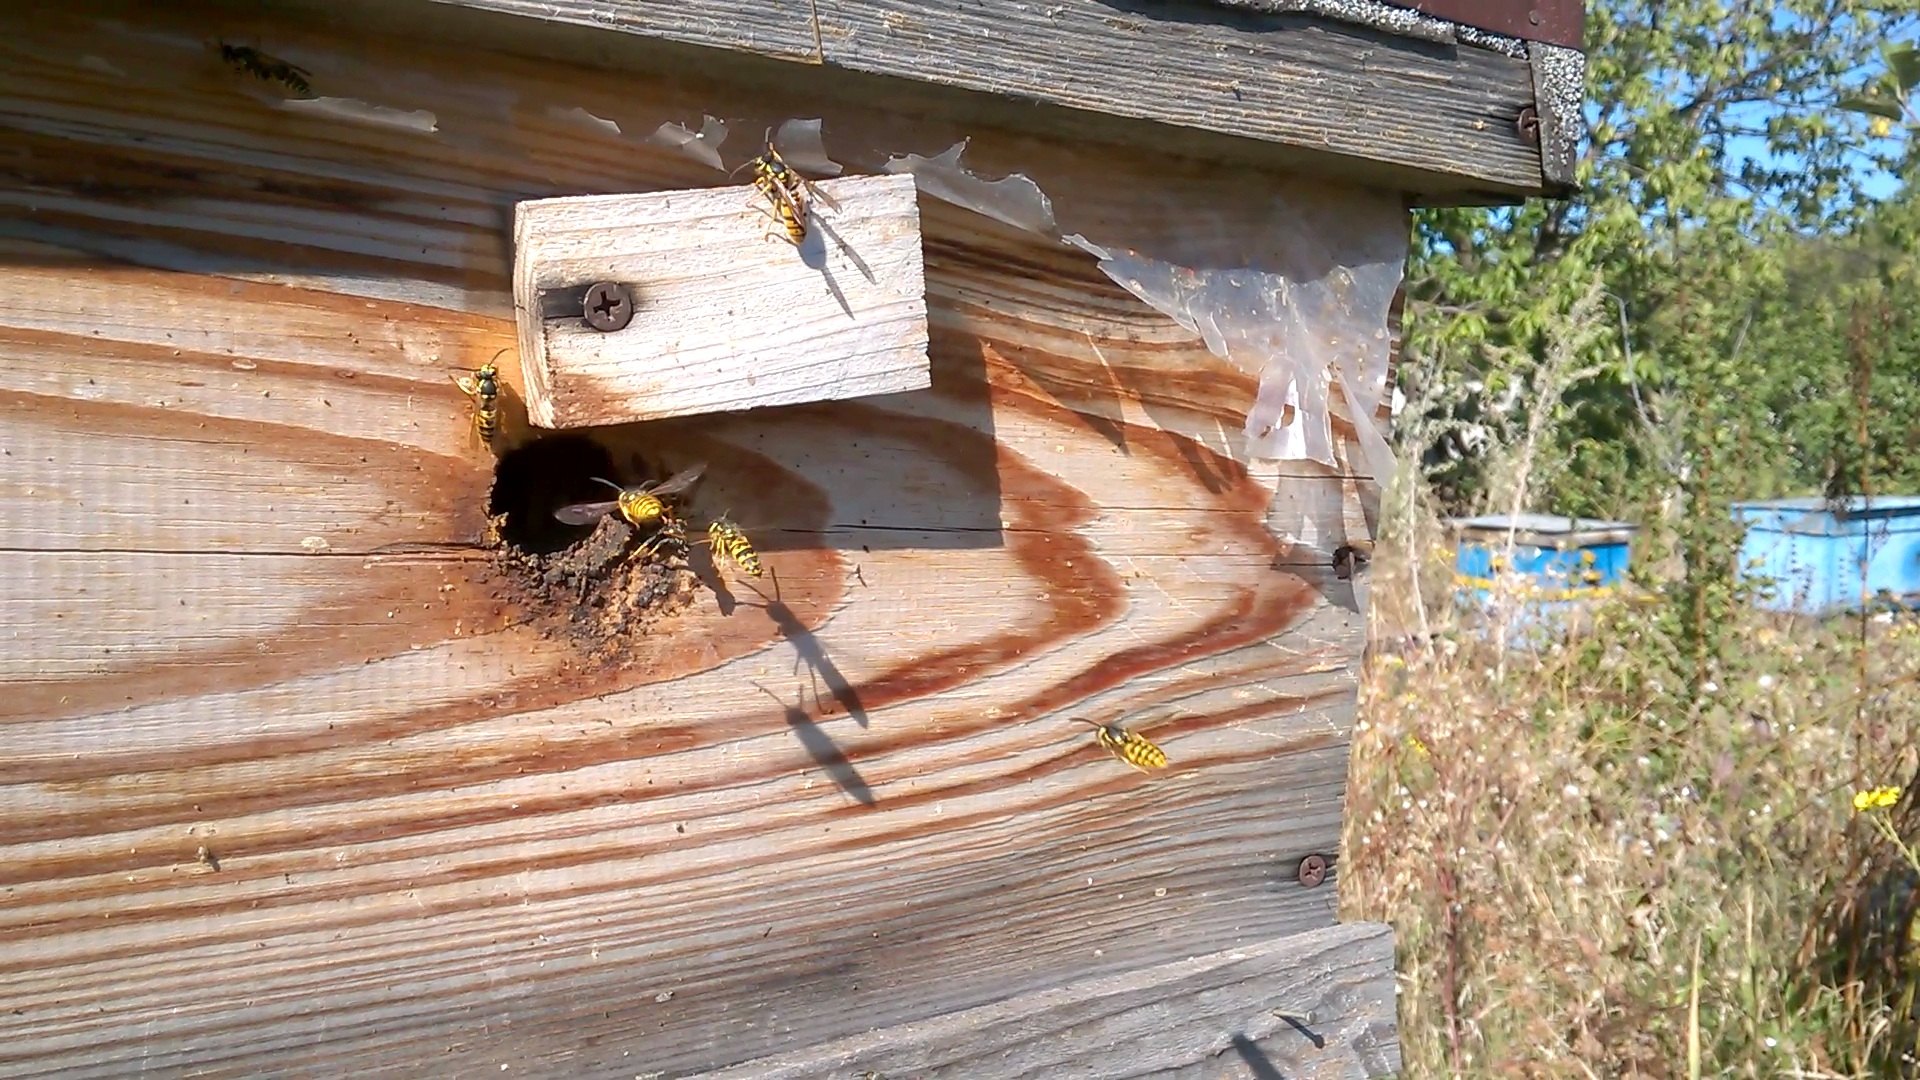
x,y
290,784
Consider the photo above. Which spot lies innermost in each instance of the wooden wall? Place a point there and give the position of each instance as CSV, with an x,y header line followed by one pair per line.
x,y
289,783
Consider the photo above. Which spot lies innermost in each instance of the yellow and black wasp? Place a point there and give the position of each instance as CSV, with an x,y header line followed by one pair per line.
x,y
643,506
788,191
267,68
730,541
1134,749
483,386
673,533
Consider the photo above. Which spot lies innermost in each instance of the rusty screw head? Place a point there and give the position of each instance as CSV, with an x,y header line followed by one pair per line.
x,y
1347,559
608,306
1313,870
1528,123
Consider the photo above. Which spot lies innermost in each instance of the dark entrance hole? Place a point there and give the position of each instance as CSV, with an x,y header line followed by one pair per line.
x,y
534,480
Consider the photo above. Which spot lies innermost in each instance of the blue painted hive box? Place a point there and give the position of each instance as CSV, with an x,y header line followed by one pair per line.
x,y
1564,557
1827,555
1565,561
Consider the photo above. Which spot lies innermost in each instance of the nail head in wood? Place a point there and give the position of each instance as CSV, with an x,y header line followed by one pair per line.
x,y
1313,870
734,315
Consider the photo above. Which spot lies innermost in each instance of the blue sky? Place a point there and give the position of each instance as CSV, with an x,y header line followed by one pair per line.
x,y
1877,183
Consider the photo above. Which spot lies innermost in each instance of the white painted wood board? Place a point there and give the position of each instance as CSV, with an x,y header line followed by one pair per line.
x,y
726,316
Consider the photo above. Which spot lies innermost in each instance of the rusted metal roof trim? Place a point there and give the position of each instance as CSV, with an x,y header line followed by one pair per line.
x,y
1552,22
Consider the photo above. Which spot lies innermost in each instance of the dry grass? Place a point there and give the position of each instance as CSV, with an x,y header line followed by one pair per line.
x,y
1601,864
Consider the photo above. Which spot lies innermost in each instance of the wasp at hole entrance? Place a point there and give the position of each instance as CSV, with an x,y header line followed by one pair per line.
x,y
642,506
1133,748
482,384
672,534
730,541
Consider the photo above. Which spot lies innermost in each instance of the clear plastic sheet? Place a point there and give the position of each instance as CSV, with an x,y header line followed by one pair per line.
x,y
1298,297
585,119
356,111
800,144
1014,199
702,146
1302,302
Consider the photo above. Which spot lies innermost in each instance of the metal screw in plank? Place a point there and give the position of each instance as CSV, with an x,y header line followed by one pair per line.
x,y
1347,559
1313,870
607,305
1528,122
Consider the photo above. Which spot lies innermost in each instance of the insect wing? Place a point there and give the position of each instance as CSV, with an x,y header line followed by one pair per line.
x,y
585,513
679,481
781,195
813,191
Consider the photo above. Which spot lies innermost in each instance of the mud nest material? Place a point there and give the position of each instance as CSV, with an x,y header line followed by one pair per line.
x,y
601,591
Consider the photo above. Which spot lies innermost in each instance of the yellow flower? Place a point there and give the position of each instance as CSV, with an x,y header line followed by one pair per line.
x,y
1880,126
1418,746
1877,799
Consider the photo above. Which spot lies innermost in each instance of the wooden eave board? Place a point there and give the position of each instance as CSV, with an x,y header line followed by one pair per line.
x,y
1438,122
248,611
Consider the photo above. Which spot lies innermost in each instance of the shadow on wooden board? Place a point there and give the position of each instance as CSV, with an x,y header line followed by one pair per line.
x,y
1316,1005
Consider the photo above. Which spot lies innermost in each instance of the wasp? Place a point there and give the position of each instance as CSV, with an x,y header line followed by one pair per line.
x,y
787,190
267,68
1136,750
672,532
484,388
642,506
729,540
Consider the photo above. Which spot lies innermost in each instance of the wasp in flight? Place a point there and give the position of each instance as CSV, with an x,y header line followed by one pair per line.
x,y
642,506
266,68
729,540
1136,750
483,386
788,191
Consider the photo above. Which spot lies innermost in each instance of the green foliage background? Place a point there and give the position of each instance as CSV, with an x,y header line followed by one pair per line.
x,y
1757,331
1728,308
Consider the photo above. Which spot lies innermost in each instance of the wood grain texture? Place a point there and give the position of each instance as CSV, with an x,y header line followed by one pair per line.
x,y
1316,1005
248,610
1445,112
783,28
726,317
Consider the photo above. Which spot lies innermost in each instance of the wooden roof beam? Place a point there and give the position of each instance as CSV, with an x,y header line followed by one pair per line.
x,y
1441,121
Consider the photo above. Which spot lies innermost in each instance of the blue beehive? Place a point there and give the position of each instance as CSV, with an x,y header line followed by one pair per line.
x,y
1564,560
1826,555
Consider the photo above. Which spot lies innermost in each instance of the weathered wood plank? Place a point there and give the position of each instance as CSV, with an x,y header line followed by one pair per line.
x,y
723,316
845,796
782,28
1445,115
1306,82
1318,1005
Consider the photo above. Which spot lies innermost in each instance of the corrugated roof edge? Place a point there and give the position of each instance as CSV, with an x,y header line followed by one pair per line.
x,y
1389,19
1504,26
